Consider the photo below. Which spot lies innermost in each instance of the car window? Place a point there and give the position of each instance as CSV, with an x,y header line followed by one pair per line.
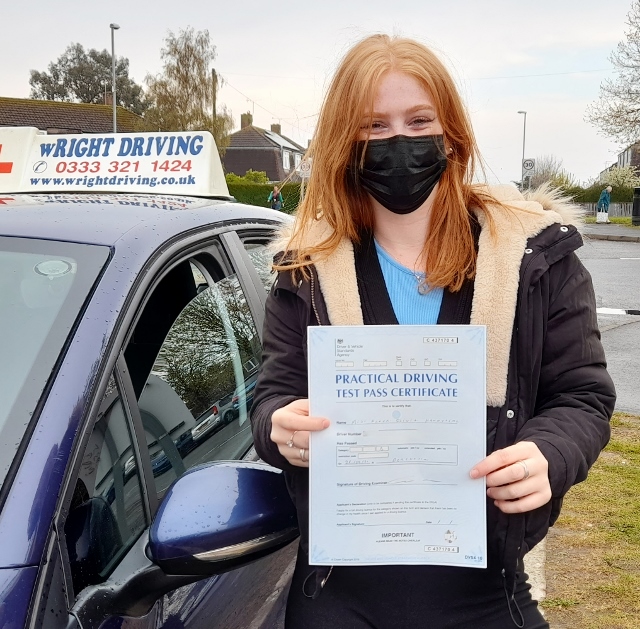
x,y
262,258
107,514
194,403
43,285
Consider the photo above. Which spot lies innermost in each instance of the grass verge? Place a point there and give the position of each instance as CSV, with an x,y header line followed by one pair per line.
x,y
593,551
616,220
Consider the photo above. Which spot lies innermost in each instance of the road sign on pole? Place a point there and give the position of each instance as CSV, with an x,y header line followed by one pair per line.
x,y
528,166
305,169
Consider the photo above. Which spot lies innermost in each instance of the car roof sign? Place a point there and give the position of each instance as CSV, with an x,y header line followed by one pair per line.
x,y
167,162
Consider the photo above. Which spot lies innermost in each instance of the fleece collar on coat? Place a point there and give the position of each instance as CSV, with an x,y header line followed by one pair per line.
x,y
497,274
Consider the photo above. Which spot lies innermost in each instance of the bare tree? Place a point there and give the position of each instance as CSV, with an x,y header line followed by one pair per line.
x,y
617,111
183,95
549,170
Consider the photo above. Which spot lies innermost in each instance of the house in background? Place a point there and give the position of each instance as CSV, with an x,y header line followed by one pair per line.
x,y
56,117
253,148
629,157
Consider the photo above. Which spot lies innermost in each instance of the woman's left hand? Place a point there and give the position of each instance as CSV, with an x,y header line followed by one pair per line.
x,y
517,477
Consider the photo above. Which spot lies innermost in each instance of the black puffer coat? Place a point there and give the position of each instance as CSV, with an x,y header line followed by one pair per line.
x,y
555,390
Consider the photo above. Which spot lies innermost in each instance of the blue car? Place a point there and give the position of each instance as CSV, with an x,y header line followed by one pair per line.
x,y
127,310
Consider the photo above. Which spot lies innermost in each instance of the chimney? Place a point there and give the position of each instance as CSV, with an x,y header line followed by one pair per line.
x,y
276,128
246,120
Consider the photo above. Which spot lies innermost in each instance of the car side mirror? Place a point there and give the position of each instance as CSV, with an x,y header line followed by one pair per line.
x,y
221,516
214,518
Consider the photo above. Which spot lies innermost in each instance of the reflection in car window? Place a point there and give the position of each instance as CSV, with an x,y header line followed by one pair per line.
x,y
194,404
262,259
106,514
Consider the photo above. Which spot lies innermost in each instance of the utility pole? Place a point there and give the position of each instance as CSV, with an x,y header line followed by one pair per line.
x,y
114,28
524,137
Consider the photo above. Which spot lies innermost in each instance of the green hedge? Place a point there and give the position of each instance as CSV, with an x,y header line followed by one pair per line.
x,y
257,194
592,194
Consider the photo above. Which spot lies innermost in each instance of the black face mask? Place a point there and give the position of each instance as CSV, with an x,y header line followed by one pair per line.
x,y
401,172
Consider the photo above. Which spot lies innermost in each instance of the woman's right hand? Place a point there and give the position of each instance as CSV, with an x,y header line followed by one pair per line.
x,y
290,428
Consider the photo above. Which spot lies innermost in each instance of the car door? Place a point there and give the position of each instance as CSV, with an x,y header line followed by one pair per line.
x,y
194,340
217,322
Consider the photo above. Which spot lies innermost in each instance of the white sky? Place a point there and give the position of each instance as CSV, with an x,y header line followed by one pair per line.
x,y
547,57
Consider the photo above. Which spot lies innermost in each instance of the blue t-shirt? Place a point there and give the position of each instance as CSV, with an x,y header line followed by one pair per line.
x,y
410,307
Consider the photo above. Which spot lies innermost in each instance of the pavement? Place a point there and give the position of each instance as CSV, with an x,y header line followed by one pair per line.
x,y
604,231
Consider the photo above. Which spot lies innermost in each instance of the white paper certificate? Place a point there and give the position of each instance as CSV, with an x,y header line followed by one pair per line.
x,y
389,479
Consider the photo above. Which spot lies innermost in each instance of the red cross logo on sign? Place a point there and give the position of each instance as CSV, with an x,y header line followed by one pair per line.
x,y
5,167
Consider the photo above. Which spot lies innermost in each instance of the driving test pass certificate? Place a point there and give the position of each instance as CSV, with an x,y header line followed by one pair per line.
x,y
389,478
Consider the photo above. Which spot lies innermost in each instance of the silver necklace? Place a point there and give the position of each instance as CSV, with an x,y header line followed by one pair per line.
x,y
422,286
421,279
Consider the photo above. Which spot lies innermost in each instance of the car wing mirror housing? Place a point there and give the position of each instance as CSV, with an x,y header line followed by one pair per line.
x,y
220,516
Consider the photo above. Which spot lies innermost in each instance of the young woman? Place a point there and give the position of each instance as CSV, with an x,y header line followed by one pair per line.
x,y
392,231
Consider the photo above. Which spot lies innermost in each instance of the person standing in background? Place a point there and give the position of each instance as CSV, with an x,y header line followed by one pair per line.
x,y
275,199
602,209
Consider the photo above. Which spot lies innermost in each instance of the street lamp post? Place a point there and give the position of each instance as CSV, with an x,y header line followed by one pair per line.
x,y
524,137
114,28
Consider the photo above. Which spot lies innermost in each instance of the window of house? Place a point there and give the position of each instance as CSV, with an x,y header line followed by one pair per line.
x,y
286,157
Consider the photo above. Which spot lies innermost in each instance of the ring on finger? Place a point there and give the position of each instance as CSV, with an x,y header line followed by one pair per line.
x,y
290,442
525,468
303,455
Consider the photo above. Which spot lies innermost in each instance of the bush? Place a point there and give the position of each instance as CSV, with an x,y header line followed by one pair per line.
x,y
251,176
256,176
257,194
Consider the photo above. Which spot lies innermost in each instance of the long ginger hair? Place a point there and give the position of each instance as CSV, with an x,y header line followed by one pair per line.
x,y
331,194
